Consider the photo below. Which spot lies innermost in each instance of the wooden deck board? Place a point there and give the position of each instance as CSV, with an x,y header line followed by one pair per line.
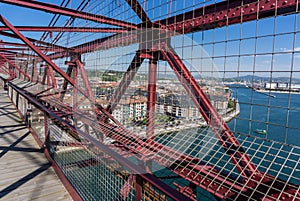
x,y
25,173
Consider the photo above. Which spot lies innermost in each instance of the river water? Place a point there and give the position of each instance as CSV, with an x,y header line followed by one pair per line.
x,y
279,115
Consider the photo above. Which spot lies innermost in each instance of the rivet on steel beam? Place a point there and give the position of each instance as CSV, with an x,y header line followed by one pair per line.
x,y
267,1
252,9
233,14
262,7
284,3
273,5
217,18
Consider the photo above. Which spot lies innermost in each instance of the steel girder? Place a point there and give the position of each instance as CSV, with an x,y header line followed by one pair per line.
x,y
52,8
36,41
226,13
207,17
66,29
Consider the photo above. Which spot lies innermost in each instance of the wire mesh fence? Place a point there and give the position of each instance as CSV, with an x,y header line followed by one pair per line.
x,y
204,95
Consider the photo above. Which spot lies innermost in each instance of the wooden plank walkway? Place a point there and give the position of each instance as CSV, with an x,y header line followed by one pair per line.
x,y
25,173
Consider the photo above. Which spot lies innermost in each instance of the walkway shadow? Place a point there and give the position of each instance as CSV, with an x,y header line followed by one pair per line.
x,y
4,131
23,180
13,148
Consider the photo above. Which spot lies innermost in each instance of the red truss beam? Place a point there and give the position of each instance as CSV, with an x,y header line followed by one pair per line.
x,y
19,54
138,9
36,50
12,44
43,48
226,13
66,29
52,8
35,41
226,138
207,17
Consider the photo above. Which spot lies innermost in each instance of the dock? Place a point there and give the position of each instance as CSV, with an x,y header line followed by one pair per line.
x,y
25,173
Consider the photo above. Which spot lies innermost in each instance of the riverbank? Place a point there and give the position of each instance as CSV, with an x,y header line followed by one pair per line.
x,y
231,115
276,91
184,126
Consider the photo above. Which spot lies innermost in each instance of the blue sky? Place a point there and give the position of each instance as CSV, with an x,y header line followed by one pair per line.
x,y
223,44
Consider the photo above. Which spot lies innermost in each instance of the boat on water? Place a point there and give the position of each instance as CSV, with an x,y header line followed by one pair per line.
x,y
260,131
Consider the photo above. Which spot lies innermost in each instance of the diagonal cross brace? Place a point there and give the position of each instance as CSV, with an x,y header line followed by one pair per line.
x,y
226,138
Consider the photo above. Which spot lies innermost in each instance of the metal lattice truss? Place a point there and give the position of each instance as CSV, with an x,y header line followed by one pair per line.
x,y
229,166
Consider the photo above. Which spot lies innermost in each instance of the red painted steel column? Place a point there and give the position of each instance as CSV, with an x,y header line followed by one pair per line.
x,y
32,71
65,84
46,128
48,77
26,68
52,76
138,188
151,98
75,91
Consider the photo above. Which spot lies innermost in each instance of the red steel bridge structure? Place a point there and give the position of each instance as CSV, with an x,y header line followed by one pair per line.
x,y
242,167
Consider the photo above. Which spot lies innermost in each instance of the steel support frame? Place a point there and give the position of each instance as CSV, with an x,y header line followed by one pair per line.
x,y
43,48
138,9
19,54
210,115
39,53
52,8
7,34
151,99
243,20
172,193
66,29
4,43
14,66
226,13
207,17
